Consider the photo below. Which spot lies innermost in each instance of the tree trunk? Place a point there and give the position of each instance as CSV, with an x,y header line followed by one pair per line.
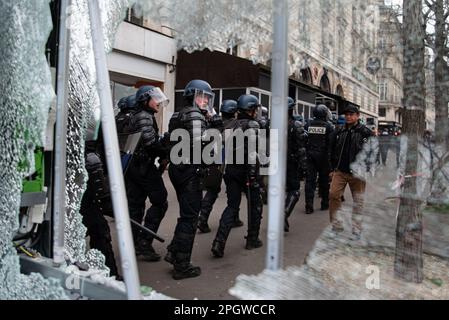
x,y
441,78
408,257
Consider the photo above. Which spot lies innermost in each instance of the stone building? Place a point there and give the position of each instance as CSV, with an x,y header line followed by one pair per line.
x,y
391,56
144,53
331,43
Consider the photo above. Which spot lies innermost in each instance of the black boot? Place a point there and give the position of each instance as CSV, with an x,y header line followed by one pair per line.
x,y
309,207
218,248
219,243
183,268
253,242
207,204
203,226
145,249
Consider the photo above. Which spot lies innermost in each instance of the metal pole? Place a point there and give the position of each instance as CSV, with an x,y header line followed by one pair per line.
x,y
61,136
118,194
278,149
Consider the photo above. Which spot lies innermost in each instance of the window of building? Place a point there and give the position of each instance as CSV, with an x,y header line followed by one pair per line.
x,y
232,94
265,101
233,50
382,112
325,84
132,16
382,43
119,91
217,100
383,91
306,76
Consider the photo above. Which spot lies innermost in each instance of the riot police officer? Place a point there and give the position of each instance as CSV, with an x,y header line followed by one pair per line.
x,y
296,161
96,202
318,130
214,177
242,178
185,173
143,179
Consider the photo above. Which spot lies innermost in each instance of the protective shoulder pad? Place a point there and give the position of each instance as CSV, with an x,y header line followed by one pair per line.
x,y
192,114
298,125
93,162
144,118
252,124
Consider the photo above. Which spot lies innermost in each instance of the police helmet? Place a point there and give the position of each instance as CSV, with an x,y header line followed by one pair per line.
x,y
291,103
229,107
247,102
197,85
321,112
200,93
131,101
122,103
143,94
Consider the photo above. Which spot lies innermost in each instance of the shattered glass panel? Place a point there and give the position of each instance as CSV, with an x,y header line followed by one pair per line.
x,y
26,97
214,24
403,250
83,105
405,220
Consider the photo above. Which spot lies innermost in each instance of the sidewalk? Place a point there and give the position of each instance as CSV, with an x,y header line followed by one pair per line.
x,y
218,275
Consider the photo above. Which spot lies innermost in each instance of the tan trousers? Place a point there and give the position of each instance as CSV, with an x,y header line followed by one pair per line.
x,y
338,185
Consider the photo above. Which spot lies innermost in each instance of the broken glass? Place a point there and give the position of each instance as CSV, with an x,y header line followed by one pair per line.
x,y
83,118
27,94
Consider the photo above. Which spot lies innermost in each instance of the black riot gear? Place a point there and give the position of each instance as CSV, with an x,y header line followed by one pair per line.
x,y
185,174
143,179
242,178
319,131
321,112
296,165
214,176
96,202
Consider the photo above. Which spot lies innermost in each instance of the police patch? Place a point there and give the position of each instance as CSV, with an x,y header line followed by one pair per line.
x,y
317,130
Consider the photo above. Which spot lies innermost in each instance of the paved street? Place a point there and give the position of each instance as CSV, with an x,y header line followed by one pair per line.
x,y
218,275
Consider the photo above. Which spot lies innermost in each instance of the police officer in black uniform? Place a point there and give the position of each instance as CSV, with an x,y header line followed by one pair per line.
x,y
214,179
96,203
318,131
296,161
242,178
185,174
143,179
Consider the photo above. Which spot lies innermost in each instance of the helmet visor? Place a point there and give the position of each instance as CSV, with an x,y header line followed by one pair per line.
x,y
159,97
205,101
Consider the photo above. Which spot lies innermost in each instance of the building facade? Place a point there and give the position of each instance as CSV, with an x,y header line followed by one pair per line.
x,y
143,54
390,76
331,44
